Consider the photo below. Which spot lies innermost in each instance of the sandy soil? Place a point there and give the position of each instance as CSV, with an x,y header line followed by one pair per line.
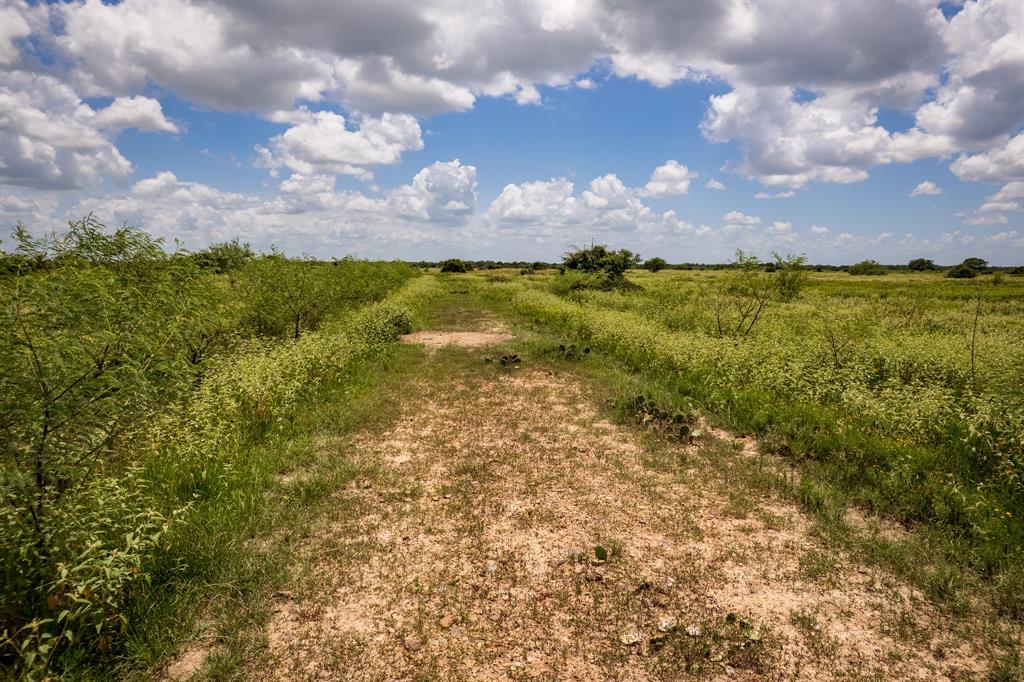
x,y
515,534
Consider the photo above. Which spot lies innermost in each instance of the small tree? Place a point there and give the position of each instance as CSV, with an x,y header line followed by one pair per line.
x,y
748,291
600,259
976,264
921,265
791,275
655,264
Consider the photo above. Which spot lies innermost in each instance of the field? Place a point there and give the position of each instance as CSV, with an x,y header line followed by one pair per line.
x,y
225,466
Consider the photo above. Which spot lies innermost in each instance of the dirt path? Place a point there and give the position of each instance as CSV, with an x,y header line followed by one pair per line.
x,y
505,530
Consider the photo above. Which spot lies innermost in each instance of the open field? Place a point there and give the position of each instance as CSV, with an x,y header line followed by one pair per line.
x,y
543,481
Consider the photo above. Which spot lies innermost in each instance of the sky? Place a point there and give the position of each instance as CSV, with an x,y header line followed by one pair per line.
x,y
516,130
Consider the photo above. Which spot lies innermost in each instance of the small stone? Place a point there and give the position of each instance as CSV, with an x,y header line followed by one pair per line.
x,y
490,567
667,624
412,643
436,498
457,631
729,670
694,630
447,621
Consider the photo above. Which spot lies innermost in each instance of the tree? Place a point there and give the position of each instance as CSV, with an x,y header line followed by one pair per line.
x,y
976,264
600,259
655,264
791,275
921,264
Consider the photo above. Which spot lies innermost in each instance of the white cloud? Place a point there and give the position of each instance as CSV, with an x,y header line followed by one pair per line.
x,y
926,188
321,142
668,180
778,195
737,218
440,193
585,84
714,184
819,230
535,202
50,138
781,227
141,113
986,220
13,27
1001,163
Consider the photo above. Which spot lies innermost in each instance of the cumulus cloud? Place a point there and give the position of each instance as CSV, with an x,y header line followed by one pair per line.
x,y
440,193
819,230
738,218
714,184
321,142
778,195
806,80
50,139
926,188
141,113
668,180
1001,163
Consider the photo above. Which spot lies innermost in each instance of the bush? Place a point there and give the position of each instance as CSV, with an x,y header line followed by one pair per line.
x,y
224,257
284,297
596,267
92,342
791,275
454,265
866,267
921,265
962,272
655,264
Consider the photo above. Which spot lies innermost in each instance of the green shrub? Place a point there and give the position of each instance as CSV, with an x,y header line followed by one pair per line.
x,y
655,264
866,267
921,265
790,277
962,272
455,265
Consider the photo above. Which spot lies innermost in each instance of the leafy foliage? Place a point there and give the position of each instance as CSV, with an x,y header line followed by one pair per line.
x,y
655,264
598,267
131,389
867,267
921,265
790,276
455,265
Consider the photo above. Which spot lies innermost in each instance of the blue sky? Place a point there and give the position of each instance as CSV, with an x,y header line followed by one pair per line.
x,y
842,131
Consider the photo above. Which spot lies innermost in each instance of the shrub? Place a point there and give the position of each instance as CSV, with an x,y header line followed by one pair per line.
x,y
976,264
921,265
867,267
454,265
225,257
962,272
655,264
791,275
91,343
600,259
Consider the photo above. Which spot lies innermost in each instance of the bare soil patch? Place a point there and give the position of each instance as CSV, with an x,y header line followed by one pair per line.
x,y
515,534
439,339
